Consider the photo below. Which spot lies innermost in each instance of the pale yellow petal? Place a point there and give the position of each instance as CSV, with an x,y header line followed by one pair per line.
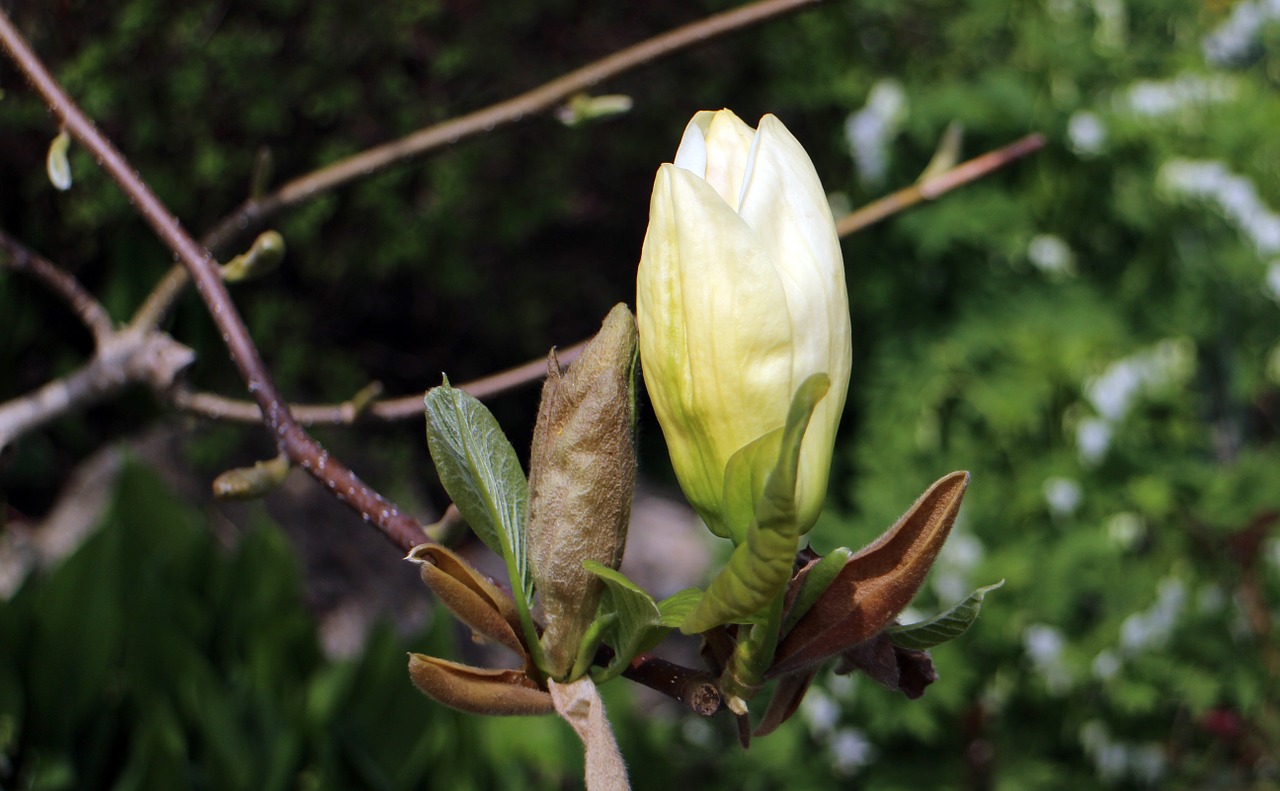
x,y
715,334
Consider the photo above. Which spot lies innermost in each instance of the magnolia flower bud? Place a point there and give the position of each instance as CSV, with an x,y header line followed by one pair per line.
x,y
581,476
740,297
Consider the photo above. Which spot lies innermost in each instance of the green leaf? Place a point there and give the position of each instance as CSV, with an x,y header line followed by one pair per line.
x,y
941,628
677,607
481,472
817,580
760,566
637,618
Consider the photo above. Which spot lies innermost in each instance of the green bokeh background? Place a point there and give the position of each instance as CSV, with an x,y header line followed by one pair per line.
x,y
1008,329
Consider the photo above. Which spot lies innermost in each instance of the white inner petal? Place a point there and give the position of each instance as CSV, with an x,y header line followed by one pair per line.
x,y
692,153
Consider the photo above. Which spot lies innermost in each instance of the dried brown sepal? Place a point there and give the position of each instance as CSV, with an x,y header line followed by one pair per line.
x,y
581,477
785,701
478,690
877,583
891,666
469,595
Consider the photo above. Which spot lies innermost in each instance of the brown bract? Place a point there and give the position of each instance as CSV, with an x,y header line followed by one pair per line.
x,y
477,690
875,584
469,595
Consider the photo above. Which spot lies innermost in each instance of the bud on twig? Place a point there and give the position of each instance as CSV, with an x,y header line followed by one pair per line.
x,y
581,477
250,483
262,259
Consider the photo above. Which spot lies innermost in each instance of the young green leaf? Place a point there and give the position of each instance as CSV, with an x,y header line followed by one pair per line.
x,y
760,566
637,617
481,472
944,627
678,605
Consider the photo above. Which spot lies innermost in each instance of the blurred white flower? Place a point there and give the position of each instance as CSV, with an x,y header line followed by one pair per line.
x,y
870,130
1044,645
1271,552
1147,763
851,750
1239,39
1115,760
1113,392
1125,529
1154,98
1086,134
1234,195
1063,496
1273,280
1151,628
1051,255
820,712
950,576
1106,665
1093,438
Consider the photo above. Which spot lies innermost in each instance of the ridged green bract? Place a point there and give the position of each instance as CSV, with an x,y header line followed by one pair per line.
x,y
481,472
760,566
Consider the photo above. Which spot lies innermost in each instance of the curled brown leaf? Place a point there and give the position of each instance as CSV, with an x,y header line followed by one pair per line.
x,y
877,583
469,595
478,690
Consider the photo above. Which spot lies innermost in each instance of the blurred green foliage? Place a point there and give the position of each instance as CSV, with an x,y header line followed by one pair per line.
x,y
1093,333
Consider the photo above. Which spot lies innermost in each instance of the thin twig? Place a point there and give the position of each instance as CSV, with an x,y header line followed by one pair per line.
x,y
958,176
19,258
216,407
409,407
400,529
249,216
121,359
161,299
696,689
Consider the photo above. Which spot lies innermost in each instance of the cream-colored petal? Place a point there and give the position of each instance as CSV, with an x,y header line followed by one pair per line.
x,y
692,153
783,201
728,141
715,336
